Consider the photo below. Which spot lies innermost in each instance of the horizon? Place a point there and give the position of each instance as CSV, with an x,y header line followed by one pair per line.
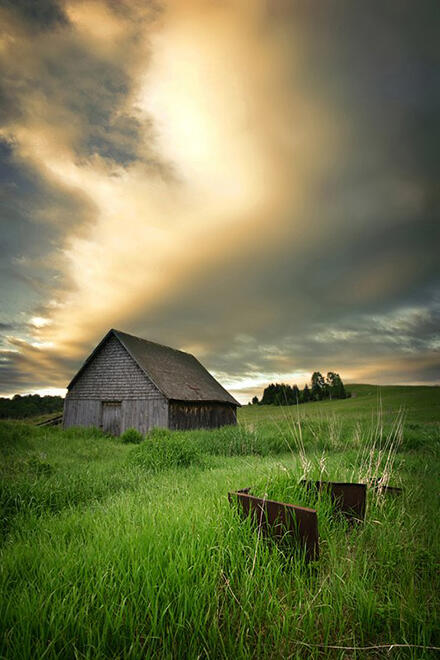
x,y
248,182
62,392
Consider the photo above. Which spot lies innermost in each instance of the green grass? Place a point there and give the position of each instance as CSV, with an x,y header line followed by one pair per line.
x,y
422,404
113,550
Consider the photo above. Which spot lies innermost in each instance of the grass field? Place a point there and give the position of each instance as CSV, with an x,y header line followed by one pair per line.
x,y
112,550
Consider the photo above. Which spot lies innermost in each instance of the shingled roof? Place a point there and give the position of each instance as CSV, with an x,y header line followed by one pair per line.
x,y
178,375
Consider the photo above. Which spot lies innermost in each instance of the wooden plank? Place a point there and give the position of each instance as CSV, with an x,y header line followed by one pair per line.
x,y
111,417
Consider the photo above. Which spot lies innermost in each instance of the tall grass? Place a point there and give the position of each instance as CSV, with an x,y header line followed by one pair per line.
x,y
114,550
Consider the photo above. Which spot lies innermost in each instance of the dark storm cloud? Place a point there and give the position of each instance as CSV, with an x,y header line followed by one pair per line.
x,y
52,79
349,279
35,216
376,69
38,14
83,89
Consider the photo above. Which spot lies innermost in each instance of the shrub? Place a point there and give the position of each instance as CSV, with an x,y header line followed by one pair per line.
x,y
132,436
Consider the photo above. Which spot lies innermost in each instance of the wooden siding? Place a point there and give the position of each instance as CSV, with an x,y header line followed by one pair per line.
x,y
111,417
113,375
184,415
82,412
143,414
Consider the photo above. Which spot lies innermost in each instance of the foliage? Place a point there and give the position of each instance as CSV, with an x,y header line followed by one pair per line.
x,y
132,436
29,405
280,394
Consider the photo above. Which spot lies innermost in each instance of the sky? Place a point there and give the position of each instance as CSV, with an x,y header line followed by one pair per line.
x,y
253,181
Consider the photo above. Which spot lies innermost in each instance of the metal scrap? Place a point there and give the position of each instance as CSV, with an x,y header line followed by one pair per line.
x,y
281,520
347,498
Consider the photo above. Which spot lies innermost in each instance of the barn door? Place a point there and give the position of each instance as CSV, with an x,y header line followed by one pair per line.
x,y
111,417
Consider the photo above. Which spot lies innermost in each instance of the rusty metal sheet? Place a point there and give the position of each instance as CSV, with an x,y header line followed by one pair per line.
x,y
349,499
278,519
391,490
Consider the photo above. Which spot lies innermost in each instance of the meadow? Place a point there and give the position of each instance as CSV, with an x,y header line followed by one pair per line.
x,y
115,550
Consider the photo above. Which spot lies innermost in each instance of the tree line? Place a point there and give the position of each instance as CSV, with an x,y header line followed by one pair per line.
x,y
280,394
29,405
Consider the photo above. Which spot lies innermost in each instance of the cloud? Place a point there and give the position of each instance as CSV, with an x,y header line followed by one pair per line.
x,y
199,173
42,15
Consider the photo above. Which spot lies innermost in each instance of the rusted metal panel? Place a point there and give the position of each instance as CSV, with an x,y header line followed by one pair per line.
x,y
377,484
349,499
279,520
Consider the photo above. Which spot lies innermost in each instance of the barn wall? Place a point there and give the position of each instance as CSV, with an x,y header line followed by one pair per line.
x,y
141,414
113,375
144,415
184,415
81,412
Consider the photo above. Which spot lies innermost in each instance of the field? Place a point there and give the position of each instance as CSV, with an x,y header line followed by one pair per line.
x,y
113,550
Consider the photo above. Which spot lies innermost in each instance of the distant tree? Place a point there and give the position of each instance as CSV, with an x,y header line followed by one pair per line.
x,y
282,394
318,390
330,381
255,401
29,405
305,394
268,397
296,395
335,386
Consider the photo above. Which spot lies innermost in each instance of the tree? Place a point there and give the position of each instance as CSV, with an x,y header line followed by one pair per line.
x,y
335,386
255,401
280,394
29,405
318,391
305,394
268,397
296,395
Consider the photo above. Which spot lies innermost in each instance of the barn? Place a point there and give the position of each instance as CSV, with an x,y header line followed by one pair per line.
x,y
129,382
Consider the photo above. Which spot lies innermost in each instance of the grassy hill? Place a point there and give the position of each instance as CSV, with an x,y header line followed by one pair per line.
x,y
113,550
420,404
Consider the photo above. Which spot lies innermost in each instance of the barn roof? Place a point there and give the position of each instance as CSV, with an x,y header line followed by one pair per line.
x,y
178,375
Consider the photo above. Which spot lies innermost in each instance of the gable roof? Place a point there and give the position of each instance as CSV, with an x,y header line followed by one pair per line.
x,y
176,374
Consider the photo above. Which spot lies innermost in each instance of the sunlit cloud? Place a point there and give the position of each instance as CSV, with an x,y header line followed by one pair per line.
x,y
39,322
211,182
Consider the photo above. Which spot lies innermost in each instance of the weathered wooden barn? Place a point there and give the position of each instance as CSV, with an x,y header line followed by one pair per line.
x,y
129,382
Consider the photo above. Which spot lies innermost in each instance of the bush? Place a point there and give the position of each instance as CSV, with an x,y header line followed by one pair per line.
x,y
132,436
